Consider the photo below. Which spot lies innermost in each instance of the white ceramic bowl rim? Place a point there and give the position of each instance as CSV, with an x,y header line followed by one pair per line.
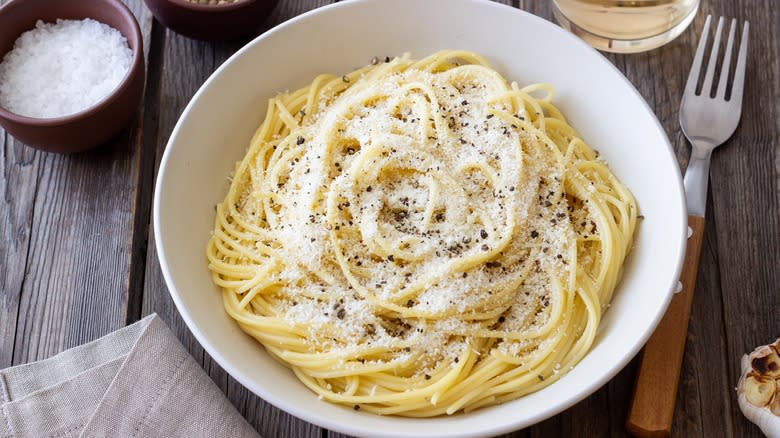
x,y
549,402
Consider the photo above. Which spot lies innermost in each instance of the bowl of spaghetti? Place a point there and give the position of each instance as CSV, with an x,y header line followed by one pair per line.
x,y
436,231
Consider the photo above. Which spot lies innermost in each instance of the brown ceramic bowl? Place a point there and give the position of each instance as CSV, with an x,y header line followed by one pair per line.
x,y
97,124
211,22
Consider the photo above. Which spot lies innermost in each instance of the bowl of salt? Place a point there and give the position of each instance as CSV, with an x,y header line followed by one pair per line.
x,y
71,72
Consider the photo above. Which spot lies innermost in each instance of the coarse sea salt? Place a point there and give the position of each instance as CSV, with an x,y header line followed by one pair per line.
x,y
62,68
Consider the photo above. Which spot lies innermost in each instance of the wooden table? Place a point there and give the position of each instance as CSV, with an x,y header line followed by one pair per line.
x,y
78,259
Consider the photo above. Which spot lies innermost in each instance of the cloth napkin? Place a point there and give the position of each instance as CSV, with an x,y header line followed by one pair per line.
x,y
135,382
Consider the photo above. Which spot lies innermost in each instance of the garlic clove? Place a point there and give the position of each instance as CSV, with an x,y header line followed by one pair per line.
x,y
774,406
765,361
758,391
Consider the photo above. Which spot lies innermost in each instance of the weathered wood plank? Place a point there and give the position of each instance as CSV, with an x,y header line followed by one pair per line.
x,y
154,41
187,64
702,389
18,183
746,202
68,224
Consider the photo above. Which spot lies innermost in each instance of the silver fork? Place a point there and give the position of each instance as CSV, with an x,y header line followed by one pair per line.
x,y
707,122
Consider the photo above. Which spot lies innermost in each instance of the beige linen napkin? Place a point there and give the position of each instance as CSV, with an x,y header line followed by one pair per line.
x,y
136,382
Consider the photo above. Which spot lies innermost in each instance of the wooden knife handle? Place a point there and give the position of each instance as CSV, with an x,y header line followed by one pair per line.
x,y
655,392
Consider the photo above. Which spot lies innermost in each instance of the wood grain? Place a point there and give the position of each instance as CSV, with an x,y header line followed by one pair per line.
x,y
746,202
703,393
18,164
652,408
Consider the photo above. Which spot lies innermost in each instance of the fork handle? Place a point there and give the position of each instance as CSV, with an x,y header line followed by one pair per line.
x,y
655,392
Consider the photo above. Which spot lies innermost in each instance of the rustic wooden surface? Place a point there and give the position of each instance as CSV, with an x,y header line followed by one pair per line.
x,y
78,260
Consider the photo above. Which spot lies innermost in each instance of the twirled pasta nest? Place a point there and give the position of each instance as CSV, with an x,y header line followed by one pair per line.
x,y
421,237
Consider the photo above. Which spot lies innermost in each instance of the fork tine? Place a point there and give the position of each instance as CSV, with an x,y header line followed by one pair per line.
x,y
724,70
693,76
739,73
706,88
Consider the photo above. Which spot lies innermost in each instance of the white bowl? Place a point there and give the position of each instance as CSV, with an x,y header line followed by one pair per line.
x,y
216,126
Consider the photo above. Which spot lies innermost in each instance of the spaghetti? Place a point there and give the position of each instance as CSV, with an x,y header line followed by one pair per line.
x,y
421,237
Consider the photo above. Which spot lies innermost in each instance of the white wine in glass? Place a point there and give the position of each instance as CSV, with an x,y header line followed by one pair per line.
x,y
625,26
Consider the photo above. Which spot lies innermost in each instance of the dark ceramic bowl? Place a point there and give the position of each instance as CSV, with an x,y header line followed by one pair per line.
x,y
211,22
97,124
